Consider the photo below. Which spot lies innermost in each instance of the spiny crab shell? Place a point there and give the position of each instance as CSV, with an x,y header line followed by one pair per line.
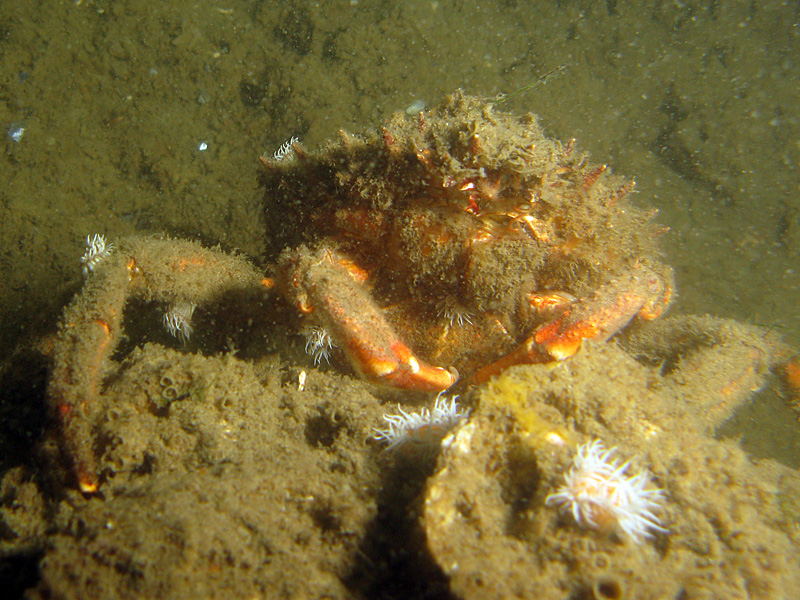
x,y
481,242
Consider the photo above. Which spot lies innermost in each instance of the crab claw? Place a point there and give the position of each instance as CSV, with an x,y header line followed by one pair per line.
x,y
321,282
639,293
388,361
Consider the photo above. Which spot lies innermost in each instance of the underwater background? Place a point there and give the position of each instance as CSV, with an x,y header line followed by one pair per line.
x,y
125,117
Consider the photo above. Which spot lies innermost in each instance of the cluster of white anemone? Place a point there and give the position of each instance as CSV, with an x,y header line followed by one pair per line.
x,y
599,495
423,429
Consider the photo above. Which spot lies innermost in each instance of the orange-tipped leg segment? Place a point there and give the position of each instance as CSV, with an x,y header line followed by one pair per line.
x,y
321,280
641,293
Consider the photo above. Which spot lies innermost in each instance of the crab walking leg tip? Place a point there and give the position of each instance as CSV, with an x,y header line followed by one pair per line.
x,y
88,485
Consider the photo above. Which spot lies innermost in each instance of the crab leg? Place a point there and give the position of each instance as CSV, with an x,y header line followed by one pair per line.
x,y
151,268
320,282
89,330
640,293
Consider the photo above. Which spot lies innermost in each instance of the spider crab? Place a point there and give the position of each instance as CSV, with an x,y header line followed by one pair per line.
x,y
462,233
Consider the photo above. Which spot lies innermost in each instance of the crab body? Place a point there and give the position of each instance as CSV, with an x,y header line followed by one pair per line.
x,y
479,241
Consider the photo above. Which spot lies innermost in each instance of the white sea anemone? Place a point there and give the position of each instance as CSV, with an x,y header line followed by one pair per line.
x,y
319,344
599,495
286,150
450,310
96,251
178,319
425,428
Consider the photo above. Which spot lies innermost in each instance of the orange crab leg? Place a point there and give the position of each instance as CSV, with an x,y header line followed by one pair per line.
x,y
642,293
87,338
148,267
321,280
527,353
